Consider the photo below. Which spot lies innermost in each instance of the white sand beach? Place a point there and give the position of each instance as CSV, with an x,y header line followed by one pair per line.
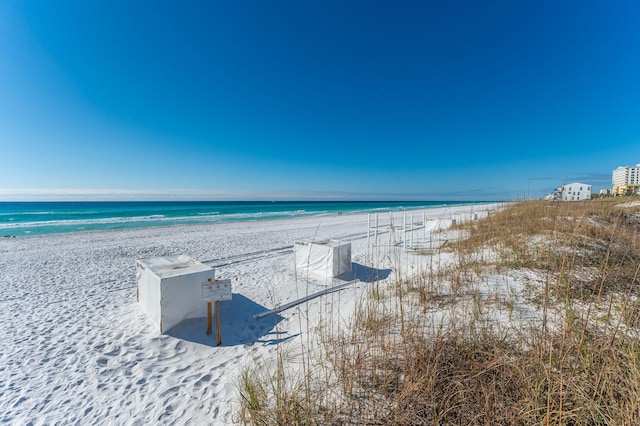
x,y
76,348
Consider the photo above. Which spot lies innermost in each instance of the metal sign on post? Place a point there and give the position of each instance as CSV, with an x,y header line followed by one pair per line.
x,y
215,291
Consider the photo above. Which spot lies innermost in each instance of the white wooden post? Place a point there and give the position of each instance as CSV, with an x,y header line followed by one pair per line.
x,y
404,232
424,226
376,232
411,245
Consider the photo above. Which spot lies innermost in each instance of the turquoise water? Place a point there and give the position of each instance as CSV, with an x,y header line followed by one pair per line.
x,y
34,218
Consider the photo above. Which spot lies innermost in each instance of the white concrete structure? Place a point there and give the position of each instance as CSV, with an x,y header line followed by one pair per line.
x,y
625,178
170,289
325,259
575,192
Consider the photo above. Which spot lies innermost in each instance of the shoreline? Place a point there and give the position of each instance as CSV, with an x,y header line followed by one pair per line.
x,y
60,221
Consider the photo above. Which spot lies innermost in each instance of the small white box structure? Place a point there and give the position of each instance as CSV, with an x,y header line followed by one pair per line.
x,y
326,259
170,289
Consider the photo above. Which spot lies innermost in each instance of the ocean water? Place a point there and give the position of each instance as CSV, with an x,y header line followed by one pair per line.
x,y
35,218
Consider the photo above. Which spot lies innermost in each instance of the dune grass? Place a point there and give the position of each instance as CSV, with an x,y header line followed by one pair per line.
x,y
532,318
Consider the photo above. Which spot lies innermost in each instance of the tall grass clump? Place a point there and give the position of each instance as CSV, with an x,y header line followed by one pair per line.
x,y
532,317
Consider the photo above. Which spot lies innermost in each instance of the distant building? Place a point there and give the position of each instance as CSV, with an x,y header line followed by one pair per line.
x,y
626,180
605,191
574,192
556,195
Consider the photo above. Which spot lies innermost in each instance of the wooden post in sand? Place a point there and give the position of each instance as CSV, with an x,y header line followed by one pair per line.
x,y
376,231
215,291
404,232
411,246
424,227
218,334
209,318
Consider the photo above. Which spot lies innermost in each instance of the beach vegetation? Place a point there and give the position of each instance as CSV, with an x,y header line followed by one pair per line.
x,y
532,316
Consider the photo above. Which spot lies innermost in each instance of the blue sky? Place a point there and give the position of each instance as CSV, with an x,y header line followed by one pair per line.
x,y
420,100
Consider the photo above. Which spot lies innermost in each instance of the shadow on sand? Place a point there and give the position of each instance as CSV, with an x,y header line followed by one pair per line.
x,y
365,274
237,325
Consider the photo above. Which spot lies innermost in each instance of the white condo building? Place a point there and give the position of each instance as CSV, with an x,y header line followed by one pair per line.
x,y
575,192
626,179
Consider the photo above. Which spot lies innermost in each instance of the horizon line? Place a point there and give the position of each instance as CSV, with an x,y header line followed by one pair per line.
x,y
121,195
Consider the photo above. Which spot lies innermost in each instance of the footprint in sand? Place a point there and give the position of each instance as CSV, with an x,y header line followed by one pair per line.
x,y
202,381
170,392
113,352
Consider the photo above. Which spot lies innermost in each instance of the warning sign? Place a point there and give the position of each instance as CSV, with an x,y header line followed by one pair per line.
x,y
216,290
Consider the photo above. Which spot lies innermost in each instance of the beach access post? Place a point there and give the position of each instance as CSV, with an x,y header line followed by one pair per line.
x,y
424,227
215,291
392,230
411,245
374,227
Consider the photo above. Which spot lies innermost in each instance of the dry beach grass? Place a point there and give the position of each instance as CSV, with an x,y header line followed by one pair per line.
x,y
529,316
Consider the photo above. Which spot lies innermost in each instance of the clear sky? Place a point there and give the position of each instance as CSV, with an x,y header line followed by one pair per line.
x,y
424,100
